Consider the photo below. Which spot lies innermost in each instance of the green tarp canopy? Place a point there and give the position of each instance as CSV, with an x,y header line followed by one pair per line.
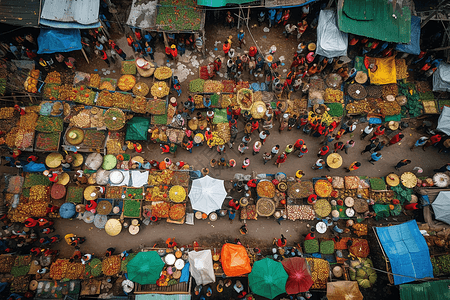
x,y
145,267
433,290
374,19
137,129
220,3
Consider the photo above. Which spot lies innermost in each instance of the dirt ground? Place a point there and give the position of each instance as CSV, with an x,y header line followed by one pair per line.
x,y
264,230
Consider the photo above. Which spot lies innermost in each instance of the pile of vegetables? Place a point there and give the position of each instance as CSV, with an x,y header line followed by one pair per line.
x,y
377,184
160,89
122,101
105,98
212,86
336,109
53,77
300,212
163,73
49,124
402,193
126,82
362,272
196,85
123,265
333,96
74,194
32,179
51,91
139,105
85,96
47,141
132,208
413,107
111,265
94,80
178,15
156,107
312,246
128,67
320,270
327,247
441,264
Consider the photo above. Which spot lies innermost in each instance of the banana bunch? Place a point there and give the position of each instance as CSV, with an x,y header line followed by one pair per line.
x,y
216,140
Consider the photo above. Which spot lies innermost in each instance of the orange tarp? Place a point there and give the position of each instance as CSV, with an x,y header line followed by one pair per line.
x,y
235,261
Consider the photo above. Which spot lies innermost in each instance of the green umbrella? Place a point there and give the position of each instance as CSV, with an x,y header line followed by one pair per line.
x,y
268,278
145,267
137,129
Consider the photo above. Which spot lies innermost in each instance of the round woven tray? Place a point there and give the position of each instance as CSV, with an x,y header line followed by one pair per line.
x,y
114,124
322,208
409,180
333,80
141,89
295,191
265,207
58,191
357,91
282,186
360,206
265,188
104,207
374,91
53,160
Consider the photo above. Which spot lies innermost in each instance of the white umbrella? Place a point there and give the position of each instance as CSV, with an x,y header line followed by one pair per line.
x,y
207,194
441,207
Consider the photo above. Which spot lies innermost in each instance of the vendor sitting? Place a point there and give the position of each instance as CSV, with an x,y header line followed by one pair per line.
x,y
234,204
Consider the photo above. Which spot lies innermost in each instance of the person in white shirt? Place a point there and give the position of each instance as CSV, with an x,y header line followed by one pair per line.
x,y
367,130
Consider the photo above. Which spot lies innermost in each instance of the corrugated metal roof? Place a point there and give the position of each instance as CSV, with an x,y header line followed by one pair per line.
x,y
80,11
375,19
143,14
20,12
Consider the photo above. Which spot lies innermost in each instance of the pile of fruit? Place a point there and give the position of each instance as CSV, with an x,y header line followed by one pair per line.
x,y
159,178
362,271
360,229
128,67
156,107
245,98
161,209
53,77
94,80
47,141
215,140
85,96
139,105
196,85
320,270
49,124
332,95
51,91
6,112
121,100
177,194
105,98
67,92
300,212
58,269
177,211
126,82
30,85
111,265
160,89
35,207
156,193
212,86
163,73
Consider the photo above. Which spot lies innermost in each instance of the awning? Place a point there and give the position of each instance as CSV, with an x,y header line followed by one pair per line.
x,y
58,40
413,47
20,12
444,121
375,19
83,12
331,42
142,14
441,78
220,3
407,251
425,291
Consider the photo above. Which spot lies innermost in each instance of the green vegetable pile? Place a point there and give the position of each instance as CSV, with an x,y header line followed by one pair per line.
x,y
74,194
426,96
178,15
220,116
441,265
21,266
2,86
47,141
32,179
377,184
396,211
336,109
196,85
132,208
402,193
128,67
443,103
156,107
413,107
134,193
123,265
362,272
215,100
93,268
327,247
49,124
312,246
159,119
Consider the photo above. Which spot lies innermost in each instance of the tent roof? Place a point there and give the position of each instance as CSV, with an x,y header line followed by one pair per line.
x,y
407,251
20,12
201,266
81,11
373,18
331,42
413,47
441,206
441,78
137,129
52,40
143,13
425,291
444,120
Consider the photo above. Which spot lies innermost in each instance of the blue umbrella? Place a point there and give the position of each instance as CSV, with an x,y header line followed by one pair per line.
x,y
67,210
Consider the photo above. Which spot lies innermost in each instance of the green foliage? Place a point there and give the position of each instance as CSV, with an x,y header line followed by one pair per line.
x,y
336,109
311,246
402,193
327,247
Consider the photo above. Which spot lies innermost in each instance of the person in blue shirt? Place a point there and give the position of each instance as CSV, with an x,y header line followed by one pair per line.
x,y
272,13
261,18
240,37
375,157
149,51
136,46
181,48
148,37
278,16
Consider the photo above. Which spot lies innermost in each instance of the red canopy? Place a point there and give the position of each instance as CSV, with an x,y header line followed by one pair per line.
x,y
299,277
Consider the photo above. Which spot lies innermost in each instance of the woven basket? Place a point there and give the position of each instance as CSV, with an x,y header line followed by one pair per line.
x,y
360,205
374,91
265,207
353,91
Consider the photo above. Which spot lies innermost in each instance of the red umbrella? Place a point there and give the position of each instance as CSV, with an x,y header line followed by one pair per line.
x,y
299,277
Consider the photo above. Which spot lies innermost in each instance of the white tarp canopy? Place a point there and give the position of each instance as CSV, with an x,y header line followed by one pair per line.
x,y
441,207
207,194
201,266
331,42
81,11
441,78
444,121
142,14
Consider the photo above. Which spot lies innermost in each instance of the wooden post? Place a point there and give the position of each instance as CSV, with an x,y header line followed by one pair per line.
x,y
239,18
248,15
203,44
84,54
104,29
166,42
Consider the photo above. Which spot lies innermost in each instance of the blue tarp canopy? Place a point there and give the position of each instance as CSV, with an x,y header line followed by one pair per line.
x,y
414,45
407,251
58,40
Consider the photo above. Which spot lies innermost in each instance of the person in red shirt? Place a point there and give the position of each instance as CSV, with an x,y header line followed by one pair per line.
x,y
312,198
298,144
189,146
164,148
31,222
378,131
281,159
310,236
280,242
396,138
234,204
170,242
217,64
105,58
51,209
253,51
226,47
255,126
354,166
174,53
323,151
53,176
130,40
338,146
303,151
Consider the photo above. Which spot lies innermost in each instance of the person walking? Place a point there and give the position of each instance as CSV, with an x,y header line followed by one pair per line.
x,y
338,146
289,149
242,147
396,138
380,130
432,141
444,168
419,143
370,147
281,159
354,166
245,163
221,149
323,151
367,130
303,151
349,144
275,150
267,157
241,40
402,163
375,157
256,147
329,139
298,144
318,165
263,136
379,146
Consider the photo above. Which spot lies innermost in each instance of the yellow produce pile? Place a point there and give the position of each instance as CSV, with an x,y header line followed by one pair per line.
x,y
126,82
177,193
360,229
160,177
163,73
160,89
6,112
216,140
332,95
320,270
35,207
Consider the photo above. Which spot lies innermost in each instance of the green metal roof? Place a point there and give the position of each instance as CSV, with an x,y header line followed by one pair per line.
x,y
432,290
374,19
220,3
